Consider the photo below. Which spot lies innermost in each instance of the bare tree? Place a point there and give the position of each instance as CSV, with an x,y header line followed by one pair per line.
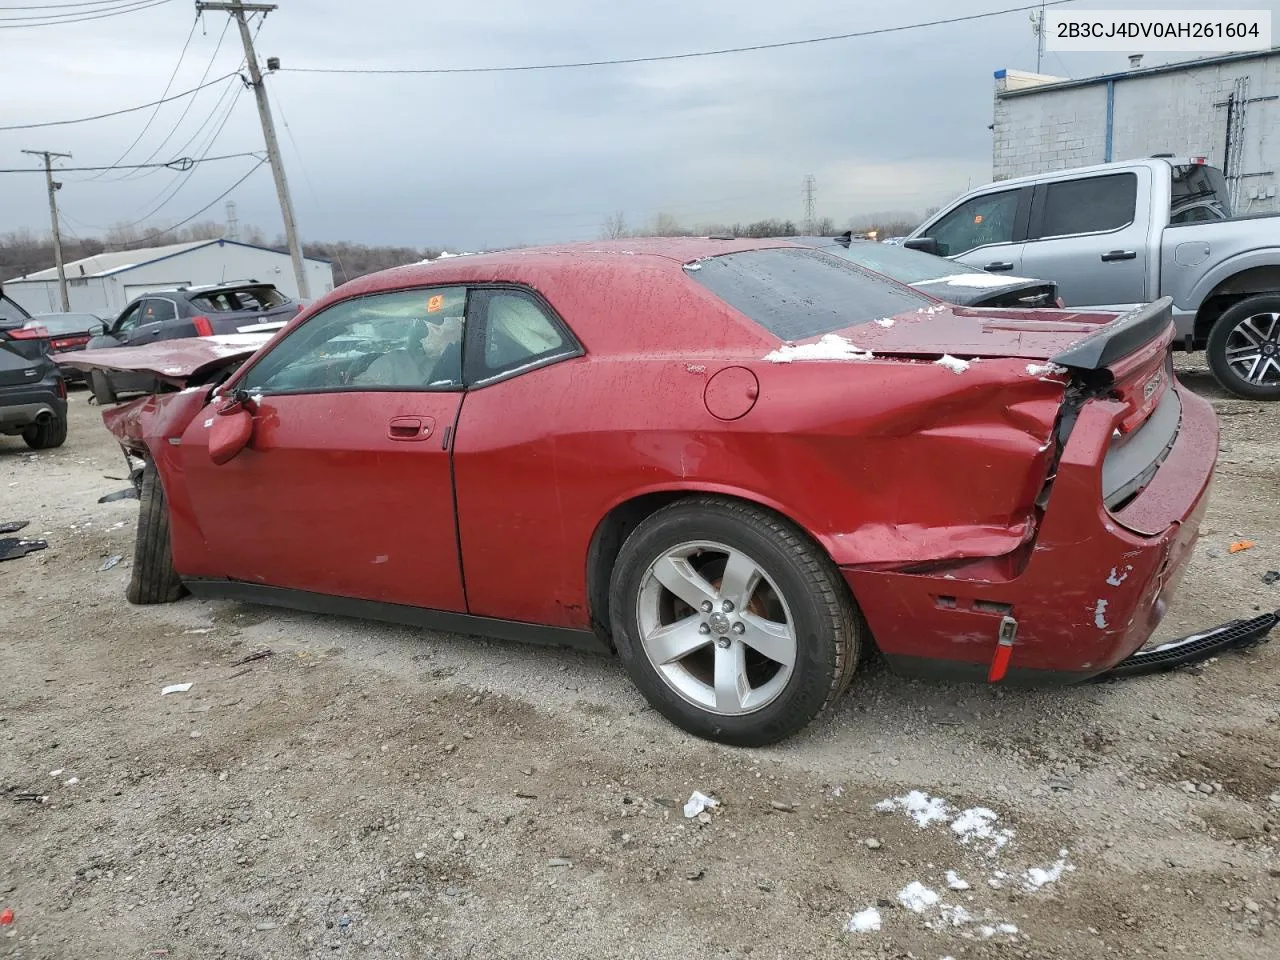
x,y
825,227
615,226
666,225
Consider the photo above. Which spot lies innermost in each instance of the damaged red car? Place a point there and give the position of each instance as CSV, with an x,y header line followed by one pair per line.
x,y
739,464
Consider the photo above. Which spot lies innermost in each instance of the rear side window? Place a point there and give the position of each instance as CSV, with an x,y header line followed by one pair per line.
x,y
1092,205
11,315
800,293
1199,192
243,298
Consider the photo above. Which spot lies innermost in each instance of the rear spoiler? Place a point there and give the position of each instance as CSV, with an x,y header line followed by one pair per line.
x,y
1119,338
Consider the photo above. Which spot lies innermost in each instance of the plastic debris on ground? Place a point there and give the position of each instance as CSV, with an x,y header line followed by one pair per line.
x,y
127,494
13,526
1270,577
110,562
1240,545
175,688
698,803
6,917
11,548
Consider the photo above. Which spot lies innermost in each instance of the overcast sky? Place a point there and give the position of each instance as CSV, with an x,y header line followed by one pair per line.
x,y
896,122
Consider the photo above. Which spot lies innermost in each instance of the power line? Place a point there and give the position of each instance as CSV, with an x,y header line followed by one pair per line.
x,y
174,226
164,93
180,164
878,31
117,113
59,19
60,6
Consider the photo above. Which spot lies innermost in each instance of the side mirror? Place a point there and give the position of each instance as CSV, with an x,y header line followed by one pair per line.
x,y
97,329
232,428
924,245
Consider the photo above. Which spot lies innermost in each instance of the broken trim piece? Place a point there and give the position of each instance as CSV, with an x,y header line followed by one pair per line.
x,y
1196,648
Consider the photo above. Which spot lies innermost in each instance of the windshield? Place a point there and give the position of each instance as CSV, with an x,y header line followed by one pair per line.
x,y
797,292
1199,193
64,322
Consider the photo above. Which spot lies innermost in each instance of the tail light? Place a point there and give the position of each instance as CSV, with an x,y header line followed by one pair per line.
x,y
203,327
29,333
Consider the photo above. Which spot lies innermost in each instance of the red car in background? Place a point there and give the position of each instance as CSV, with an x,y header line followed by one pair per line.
x,y
738,463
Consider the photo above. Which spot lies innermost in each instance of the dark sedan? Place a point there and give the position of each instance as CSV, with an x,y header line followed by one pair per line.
x,y
939,277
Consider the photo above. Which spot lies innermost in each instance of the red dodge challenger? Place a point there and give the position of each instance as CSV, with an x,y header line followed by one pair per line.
x,y
739,464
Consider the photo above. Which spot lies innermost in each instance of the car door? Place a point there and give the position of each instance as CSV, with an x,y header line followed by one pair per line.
x,y
1089,234
511,501
985,231
157,321
345,487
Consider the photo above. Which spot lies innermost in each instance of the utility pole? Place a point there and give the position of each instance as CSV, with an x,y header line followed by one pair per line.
x,y
810,197
1037,27
54,187
233,224
238,9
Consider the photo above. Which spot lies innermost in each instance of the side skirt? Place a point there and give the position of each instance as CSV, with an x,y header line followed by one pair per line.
x,y
396,613
960,671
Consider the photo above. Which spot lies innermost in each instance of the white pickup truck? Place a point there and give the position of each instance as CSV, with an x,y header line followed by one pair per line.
x,y
1120,234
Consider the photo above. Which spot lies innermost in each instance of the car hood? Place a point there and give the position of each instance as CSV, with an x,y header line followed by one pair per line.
x,y
970,289
172,361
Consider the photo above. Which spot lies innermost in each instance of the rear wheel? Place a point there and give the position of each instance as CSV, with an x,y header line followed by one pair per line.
x,y
45,436
1244,348
731,622
154,578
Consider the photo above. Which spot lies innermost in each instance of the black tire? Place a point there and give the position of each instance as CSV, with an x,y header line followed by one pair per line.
x,y
46,436
1221,338
154,580
827,625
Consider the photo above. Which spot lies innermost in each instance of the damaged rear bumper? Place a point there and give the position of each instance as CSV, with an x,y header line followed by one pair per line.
x,y
1185,651
1088,593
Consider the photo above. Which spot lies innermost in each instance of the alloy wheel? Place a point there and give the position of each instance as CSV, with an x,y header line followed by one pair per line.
x,y
716,628
1253,349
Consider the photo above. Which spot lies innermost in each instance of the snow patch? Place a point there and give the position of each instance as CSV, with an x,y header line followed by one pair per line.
x,y
954,364
1037,877
917,898
978,824
864,921
921,807
884,322
955,882
978,280
831,346
1039,370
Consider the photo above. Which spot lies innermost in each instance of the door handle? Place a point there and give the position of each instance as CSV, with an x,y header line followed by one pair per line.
x,y
410,428
1120,255
998,267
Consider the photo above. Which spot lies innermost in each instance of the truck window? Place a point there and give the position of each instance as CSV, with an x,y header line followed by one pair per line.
x,y
1199,192
1089,205
976,223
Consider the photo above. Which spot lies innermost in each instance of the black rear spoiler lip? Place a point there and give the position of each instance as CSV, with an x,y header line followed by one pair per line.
x,y
1119,338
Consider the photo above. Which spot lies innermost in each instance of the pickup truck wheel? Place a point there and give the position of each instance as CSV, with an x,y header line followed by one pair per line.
x,y
1244,348
733,624
46,436
154,579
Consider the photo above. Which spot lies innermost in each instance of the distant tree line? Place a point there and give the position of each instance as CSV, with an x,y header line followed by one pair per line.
x,y
615,226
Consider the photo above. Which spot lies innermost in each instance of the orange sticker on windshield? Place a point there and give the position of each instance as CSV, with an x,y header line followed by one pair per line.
x,y
435,304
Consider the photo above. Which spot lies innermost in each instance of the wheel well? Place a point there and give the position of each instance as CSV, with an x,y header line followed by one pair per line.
x,y
612,532
1231,291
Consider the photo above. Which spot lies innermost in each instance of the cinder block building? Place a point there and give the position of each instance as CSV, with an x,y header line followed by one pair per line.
x,y
1224,108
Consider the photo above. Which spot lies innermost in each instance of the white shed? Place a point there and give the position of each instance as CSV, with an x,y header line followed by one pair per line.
x,y
104,284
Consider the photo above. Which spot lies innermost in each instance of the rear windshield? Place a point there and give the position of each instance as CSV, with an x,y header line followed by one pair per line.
x,y
1199,193
11,315
800,293
239,298
64,322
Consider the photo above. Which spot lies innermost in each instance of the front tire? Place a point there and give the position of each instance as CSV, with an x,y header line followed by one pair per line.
x,y
154,579
46,436
1244,348
731,622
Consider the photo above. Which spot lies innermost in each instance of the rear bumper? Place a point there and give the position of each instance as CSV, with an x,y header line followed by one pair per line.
x,y
21,408
1094,586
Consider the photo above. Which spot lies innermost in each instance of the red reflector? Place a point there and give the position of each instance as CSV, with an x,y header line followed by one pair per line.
x,y
62,388
999,663
203,327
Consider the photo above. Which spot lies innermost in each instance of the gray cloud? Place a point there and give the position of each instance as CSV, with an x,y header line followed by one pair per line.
x,y
891,122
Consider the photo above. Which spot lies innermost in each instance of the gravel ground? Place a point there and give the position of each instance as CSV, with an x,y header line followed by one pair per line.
x,y
371,790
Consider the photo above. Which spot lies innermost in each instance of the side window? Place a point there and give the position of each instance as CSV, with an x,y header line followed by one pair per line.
x,y
513,331
406,340
976,223
156,310
130,319
1091,205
